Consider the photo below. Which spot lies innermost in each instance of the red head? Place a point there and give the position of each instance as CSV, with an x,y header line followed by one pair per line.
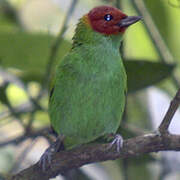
x,y
109,20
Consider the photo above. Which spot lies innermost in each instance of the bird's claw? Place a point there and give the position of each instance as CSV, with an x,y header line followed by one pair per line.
x,y
46,158
118,140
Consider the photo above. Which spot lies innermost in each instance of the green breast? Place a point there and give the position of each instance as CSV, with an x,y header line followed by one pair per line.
x,y
89,94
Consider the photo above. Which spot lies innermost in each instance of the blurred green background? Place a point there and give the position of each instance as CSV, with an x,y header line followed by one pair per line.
x,y
36,34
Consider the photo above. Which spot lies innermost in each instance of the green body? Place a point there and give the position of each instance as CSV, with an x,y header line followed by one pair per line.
x,y
88,98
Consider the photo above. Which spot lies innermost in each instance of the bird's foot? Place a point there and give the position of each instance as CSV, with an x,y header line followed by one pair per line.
x,y
46,158
118,141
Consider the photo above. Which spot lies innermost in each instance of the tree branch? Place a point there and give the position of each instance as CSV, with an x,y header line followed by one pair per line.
x,y
77,157
163,128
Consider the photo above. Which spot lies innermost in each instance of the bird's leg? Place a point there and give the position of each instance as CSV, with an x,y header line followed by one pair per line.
x,y
52,149
117,140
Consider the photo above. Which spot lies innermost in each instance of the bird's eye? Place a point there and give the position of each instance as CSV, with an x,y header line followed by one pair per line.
x,y
108,17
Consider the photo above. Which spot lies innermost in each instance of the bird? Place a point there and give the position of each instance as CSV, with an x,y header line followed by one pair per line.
x,y
88,97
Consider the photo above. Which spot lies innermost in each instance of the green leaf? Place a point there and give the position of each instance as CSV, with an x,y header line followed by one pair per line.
x,y
142,74
31,75
27,52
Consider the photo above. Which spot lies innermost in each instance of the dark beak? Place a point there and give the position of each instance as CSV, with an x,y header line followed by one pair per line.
x,y
129,20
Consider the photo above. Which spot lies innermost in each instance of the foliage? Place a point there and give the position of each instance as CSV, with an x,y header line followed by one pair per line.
x,y
25,57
